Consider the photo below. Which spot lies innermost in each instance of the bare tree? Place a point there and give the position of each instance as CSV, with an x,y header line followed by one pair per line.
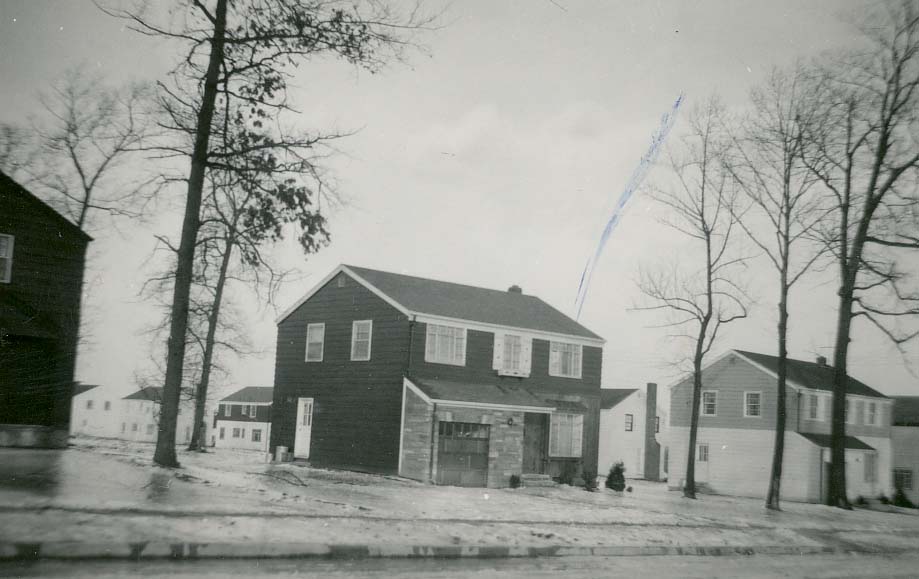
x,y
782,210
702,300
863,148
74,151
238,57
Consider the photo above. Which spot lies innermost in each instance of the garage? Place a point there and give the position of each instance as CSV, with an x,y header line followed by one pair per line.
x,y
462,454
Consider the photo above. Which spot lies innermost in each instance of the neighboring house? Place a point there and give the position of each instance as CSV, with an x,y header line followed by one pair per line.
x,y
243,419
140,416
95,411
737,430
436,381
905,438
41,277
630,431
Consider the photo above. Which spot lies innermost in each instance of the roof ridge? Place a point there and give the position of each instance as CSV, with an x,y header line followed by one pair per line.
x,y
465,285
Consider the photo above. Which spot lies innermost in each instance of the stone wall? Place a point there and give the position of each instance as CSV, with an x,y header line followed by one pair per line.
x,y
417,428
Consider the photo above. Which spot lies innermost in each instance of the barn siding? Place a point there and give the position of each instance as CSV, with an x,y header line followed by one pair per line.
x,y
357,405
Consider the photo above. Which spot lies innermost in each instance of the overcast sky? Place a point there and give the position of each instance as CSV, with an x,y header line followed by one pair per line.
x,y
492,158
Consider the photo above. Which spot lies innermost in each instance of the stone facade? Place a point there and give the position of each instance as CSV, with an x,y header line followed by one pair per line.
x,y
417,430
505,445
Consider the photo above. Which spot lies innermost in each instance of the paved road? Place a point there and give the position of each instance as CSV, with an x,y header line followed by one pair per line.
x,y
817,567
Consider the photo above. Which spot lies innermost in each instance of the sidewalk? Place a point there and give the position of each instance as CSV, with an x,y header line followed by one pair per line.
x,y
105,499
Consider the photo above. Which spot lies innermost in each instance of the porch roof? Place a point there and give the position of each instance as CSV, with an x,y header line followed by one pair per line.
x,y
446,391
823,440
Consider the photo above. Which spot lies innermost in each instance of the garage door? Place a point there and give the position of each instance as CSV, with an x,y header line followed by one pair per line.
x,y
462,454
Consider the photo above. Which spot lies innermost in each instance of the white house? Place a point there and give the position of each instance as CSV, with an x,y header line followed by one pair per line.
x,y
140,414
243,419
631,432
736,433
94,411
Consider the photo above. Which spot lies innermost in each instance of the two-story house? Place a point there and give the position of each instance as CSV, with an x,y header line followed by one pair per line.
x,y
243,419
736,435
41,277
905,440
435,381
140,416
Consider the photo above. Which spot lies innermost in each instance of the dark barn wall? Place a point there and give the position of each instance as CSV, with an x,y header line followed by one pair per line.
x,y
357,405
478,368
37,375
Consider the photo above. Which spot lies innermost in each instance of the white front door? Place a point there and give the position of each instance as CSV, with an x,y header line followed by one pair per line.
x,y
304,427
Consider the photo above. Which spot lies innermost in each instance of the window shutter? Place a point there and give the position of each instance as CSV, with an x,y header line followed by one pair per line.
x,y
430,345
553,359
459,355
526,355
577,434
497,359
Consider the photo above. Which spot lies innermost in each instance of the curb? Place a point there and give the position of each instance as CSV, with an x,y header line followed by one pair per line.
x,y
66,550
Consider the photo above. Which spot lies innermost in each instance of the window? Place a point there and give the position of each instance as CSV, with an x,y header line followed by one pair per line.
x,y
903,479
703,452
813,407
657,424
247,410
242,433
850,413
565,432
445,345
361,333
89,404
123,426
564,360
222,433
253,410
133,427
235,433
871,467
315,342
256,435
871,413
512,354
227,409
629,421
709,403
6,258
149,429
752,404
108,405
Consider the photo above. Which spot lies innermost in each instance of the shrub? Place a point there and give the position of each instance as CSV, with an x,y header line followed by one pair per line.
x,y
616,478
883,498
861,501
590,480
628,489
900,500
515,481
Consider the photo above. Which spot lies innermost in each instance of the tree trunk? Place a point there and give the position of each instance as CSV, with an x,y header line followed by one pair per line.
x,y
165,454
689,488
836,493
209,342
775,480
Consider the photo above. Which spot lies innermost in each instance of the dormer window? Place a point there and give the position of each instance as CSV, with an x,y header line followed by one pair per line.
x,y
512,354
564,360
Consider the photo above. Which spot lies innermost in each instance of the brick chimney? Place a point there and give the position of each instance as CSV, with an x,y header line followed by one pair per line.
x,y
515,289
821,360
652,447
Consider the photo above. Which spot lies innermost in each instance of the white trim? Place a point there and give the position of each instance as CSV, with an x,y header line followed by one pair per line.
x,y
745,415
580,370
6,275
401,429
490,406
239,403
306,350
417,391
523,332
427,336
702,403
369,340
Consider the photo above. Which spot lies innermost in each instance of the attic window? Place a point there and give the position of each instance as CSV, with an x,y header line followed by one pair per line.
x,y
6,258
342,281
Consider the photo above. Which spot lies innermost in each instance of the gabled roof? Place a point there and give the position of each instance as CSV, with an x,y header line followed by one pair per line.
x,y
79,388
610,397
446,391
9,185
905,411
252,395
810,374
154,393
823,440
422,296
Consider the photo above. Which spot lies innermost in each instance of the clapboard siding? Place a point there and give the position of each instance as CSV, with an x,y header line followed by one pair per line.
x,y
356,412
46,282
478,367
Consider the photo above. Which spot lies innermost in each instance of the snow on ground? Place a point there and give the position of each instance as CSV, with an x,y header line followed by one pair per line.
x,y
110,490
